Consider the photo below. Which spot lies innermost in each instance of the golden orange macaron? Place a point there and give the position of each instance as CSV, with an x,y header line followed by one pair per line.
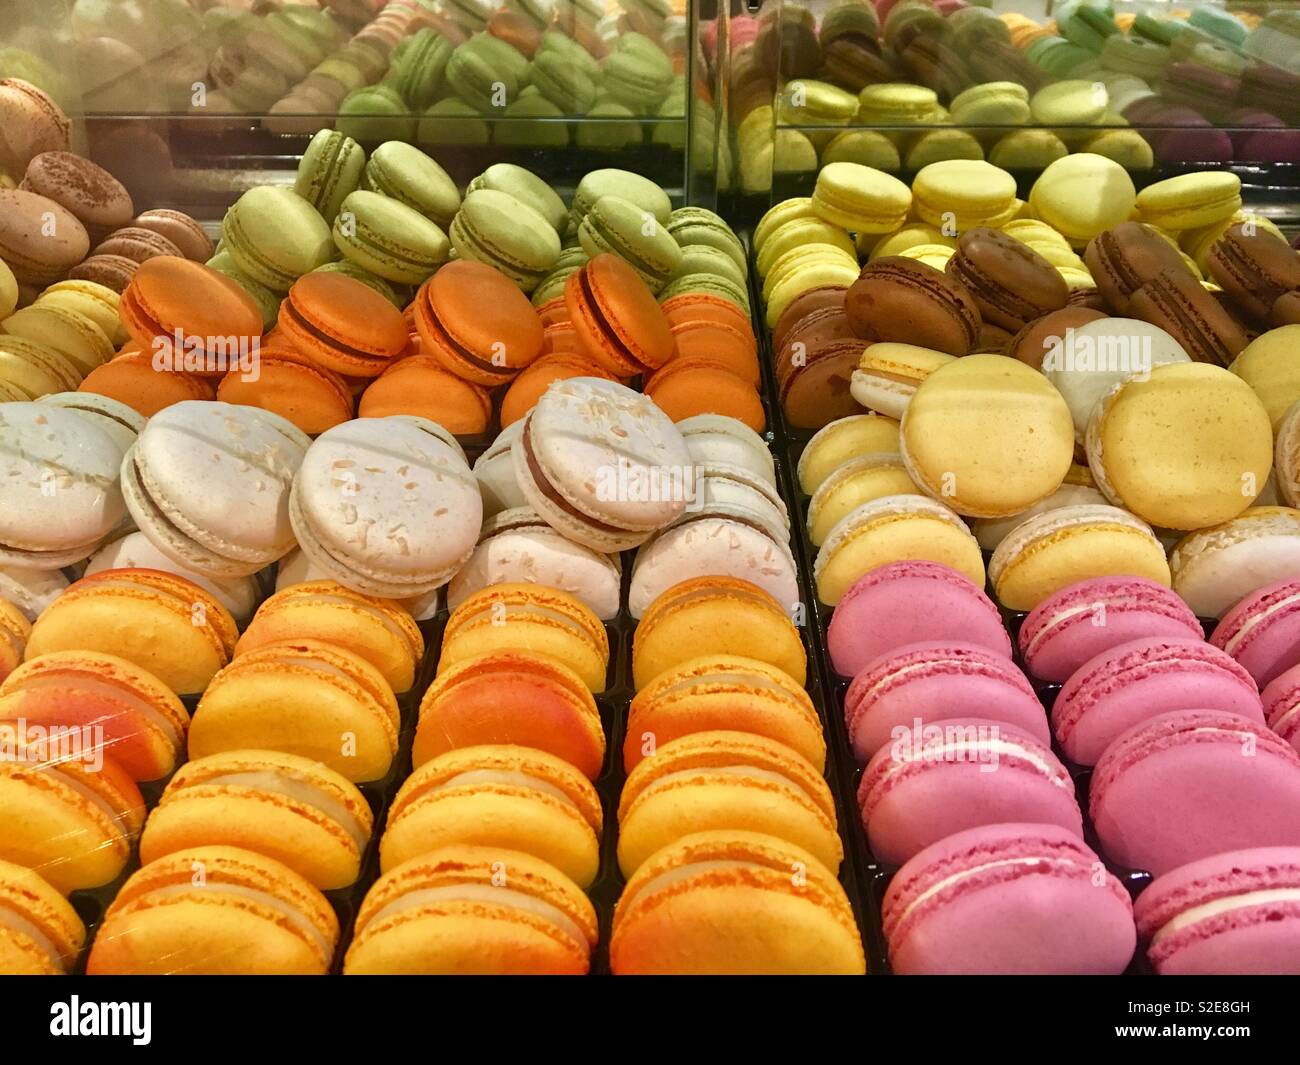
x,y
132,378
312,397
343,324
735,348
421,385
511,697
687,386
45,934
526,389
14,630
379,630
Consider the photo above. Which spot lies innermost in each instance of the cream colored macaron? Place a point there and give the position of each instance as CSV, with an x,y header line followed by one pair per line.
x,y
856,481
889,374
1217,567
1187,446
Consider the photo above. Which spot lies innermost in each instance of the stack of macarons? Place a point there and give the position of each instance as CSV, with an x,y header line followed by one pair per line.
x,y
491,842
725,754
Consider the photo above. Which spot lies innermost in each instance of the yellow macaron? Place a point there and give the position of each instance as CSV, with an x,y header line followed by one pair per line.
x,y
841,440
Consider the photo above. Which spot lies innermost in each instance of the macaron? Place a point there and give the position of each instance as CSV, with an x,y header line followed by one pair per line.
x,y
388,238
840,440
378,630
577,480
700,384
73,821
517,546
311,398
1011,283
527,188
161,623
31,590
617,323
34,123
526,617
1133,682
525,390
503,797
448,314
1083,195
1190,201
908,602
417,385
708,781
1179,303
715,615
905,301
182,230
71,333
45,934
398,474
723,902
450,912
1261,632
343,325
1281,699
856,481
993,899
966,773
248,915
292,809
14,630
1123,258
894,529
1177,788
722,692
1216,567
1184,447
137,244
276,236
190,461
63,495
495,472
301,697
619,226
629,186
1082,621
495,228
1257,272
1229,913
715,438
860,199
99,304
40,240
1060,547
963,192
402,172
888,375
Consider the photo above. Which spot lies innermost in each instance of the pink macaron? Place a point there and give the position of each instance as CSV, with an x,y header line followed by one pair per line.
x,y
1193,783
933,681
1138,680
1081,621
1282,706
906,602
960,774
1234,914
1262,632
1008,899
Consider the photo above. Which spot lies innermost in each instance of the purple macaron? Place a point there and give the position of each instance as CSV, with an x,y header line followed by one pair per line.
x,y
934,681
1191,784
1139,680
907,602
1262,632
958,774
1234,914
1009,899
1086,619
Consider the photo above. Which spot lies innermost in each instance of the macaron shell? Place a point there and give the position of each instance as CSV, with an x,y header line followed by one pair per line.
x,y
51,933
1262,632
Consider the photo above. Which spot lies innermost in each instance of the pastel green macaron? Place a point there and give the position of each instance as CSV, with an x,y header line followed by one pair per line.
x,y
452,123
403,172
267,299
625,185
608,134
620,226
375,113
568,87
806,101
532,121
691,226
994,103
495,228
388,238
709,285
275,236
638,75
331,167
527,188
701,259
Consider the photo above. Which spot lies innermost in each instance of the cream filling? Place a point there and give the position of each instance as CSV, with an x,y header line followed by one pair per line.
x,y
117,817
1259,619
1208,910
728,770
949,752
296,917
497,896
750,680
683,872
710,593
1056,619
16,922
520,612
507,777
948,881
298,790
1277,725
82,683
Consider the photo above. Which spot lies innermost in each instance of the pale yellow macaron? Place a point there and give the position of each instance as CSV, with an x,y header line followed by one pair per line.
x,y
910,235
8,290
1270,364
69,332
889,374
894,529
1061,547
841,440
854,482
97,302
1187,446
988,436
1286,456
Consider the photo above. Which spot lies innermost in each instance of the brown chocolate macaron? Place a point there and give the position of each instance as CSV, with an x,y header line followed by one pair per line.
x,y
89,191
900,299
802,305
137,244
818,327
30,123
1011,283
182,230
1122,259
1180,305
1036,339
817,392
111,271
1255,270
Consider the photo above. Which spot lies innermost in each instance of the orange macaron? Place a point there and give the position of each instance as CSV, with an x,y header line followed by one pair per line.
x,y
734,348
526,389
312,397
511,697
699,384
702,306
617,320
343,324
132,378
421,385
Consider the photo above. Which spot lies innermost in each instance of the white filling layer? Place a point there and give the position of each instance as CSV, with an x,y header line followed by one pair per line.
x,y
948,881
1254,622
683,872
954,751
98,687
1235,902
298,790
117,817
508,777
16,922
496,896
298,919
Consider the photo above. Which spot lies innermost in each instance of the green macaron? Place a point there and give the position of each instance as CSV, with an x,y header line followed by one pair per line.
x,y
695,226
375,113
275,236
638,75
331,167
626,186
419,71
553,41
388,238
526,187
606,132
622,227
403,172
710,284
532,121
570,88
452,123
702,259
497,229
267,300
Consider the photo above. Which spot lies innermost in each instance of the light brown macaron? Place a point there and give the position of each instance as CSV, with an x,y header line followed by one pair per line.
x,y
89,191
